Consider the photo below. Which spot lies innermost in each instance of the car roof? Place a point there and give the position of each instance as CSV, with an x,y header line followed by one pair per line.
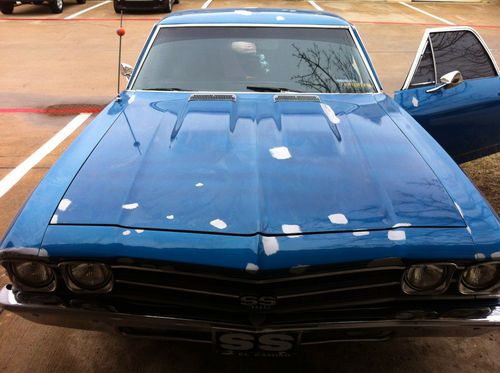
x,y
254,16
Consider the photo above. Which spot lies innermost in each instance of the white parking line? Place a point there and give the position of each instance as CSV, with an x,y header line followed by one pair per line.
x,y
17,173
316,6
206,4
87,10
427,13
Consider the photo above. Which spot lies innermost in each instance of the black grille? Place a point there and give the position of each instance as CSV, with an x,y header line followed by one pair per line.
x,y
312,297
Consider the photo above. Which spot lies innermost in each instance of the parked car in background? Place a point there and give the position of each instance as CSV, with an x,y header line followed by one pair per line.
x,y
143,5
254,188
56,6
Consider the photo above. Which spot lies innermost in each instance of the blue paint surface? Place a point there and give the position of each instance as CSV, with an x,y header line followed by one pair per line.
x,y
377,167
366,169
236,252
463,119
482,221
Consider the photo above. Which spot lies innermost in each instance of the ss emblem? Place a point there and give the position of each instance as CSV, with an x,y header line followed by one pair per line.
x,y
264,343
254,302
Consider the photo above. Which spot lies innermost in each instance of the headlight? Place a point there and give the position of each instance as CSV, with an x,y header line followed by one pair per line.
x,y
480,277
33,275
427,278
89,276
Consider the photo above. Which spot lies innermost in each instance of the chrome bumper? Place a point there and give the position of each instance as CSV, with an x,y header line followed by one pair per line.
x,y
152,326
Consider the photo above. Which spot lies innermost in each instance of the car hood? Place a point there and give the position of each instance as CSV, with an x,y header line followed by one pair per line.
x,y
255,164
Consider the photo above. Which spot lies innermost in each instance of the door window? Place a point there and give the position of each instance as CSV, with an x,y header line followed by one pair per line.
x,y
447,51
462,51
424,74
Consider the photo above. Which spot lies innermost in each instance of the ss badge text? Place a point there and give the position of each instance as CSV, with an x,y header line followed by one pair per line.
x,y
258,303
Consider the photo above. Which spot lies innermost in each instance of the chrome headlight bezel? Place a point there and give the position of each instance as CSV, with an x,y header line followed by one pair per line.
x,y
489,288
47,286
409,288
75,286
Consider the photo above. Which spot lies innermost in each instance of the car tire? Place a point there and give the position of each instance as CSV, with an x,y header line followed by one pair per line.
x,y
168,6
7,8
81,1
56,6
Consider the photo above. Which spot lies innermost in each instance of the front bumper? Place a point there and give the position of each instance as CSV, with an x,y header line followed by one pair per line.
x,y
203,331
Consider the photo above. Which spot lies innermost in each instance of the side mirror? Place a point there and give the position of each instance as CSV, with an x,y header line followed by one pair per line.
x,y
126,70
449,80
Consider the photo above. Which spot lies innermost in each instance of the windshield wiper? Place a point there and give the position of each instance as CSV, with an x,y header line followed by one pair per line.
x,y
271,89
166,89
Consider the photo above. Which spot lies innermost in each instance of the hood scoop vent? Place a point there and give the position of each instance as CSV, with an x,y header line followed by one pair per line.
x,y
212,97
296,98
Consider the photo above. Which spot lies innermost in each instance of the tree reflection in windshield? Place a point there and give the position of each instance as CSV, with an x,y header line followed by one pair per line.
x,y
328,70
264,59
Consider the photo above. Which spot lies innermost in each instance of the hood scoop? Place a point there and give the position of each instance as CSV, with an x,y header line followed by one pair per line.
x,y
212,97
296,98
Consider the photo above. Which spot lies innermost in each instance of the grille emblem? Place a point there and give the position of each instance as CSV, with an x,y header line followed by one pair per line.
x,y
258,303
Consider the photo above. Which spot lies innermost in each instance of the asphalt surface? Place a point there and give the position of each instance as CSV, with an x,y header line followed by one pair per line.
x,y
55,68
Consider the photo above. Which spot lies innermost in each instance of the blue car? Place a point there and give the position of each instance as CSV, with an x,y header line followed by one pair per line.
x,y
254,188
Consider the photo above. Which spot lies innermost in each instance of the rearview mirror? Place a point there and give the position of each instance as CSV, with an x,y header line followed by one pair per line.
x,y
126,70
449,80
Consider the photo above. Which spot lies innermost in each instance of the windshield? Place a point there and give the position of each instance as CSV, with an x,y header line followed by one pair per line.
x,y
261,59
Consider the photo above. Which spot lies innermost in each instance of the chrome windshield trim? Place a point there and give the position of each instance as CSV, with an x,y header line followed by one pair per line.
x,y
146,51
249,92
146,45
423,45
371,72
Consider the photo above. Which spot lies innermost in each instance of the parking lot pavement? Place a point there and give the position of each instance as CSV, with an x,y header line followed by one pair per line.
x,y
392,31
480,14
107,11
374,12
59,65
22,135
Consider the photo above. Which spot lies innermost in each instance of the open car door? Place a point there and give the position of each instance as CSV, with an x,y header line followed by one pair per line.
x,y
453,91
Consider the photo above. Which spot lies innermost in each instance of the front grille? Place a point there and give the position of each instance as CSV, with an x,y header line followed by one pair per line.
x,y
311,297
300,297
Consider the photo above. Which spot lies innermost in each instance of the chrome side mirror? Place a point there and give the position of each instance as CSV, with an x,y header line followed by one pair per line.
x,y
449,80
126,70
